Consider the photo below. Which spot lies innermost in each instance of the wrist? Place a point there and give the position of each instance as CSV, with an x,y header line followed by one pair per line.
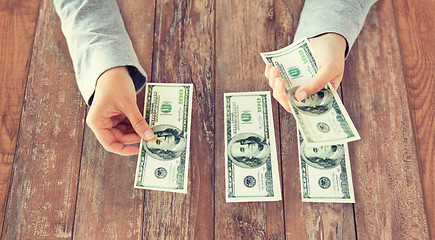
x,y
112,82
333,41
112,73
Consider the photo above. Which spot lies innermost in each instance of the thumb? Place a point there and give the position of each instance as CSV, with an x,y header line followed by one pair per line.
x,y
138,122
315,84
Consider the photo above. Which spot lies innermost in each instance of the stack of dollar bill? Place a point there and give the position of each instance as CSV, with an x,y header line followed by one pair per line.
x,y
324,128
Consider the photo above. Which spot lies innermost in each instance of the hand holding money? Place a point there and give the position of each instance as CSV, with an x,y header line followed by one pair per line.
x,y
304,86
321,116
329,50
114,116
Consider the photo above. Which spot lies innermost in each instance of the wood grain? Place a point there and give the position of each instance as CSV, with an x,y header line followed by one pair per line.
x,y
303,220
60,191
389,201
108,207
46,164
17,31
416,21
243,30
183,53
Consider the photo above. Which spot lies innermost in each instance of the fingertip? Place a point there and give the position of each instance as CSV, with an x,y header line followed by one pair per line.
x,y
285,104
283,101
287,107
301,95
148,135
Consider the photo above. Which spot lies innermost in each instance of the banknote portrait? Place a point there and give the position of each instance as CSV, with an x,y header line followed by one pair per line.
x,y
322,157
248,150
316,104
169,143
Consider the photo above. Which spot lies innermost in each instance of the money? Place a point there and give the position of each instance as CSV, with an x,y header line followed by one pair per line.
x,y
325,173
163,162
322,118
251,163
296,63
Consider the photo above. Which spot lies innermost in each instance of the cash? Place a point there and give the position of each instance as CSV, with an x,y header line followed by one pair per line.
x,y
325,173
163,162
251,163
324,128
322,118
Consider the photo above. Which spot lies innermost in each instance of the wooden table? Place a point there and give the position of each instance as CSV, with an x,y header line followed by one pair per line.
x,y
57,182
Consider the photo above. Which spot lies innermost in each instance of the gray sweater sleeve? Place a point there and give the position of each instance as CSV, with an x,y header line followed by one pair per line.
x,y
97,41
344,17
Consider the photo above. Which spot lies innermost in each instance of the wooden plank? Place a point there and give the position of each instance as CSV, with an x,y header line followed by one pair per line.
x,y
303,220
389,202
183,53
17,31
416,21
287,14
243,30
46,165
308,220
108,207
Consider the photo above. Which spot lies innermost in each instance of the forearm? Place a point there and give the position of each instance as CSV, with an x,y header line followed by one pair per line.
x,y
97,41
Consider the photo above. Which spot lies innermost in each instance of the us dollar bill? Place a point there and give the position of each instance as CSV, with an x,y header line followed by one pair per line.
x,y
251,163
325,173
163,162
322,118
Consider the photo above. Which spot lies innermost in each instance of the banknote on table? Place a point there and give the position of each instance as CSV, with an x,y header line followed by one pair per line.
x,y
251,163
322,118
163,162
325,173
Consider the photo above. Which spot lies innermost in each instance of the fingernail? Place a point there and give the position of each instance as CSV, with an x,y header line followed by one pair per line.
x,y
149,134
301,96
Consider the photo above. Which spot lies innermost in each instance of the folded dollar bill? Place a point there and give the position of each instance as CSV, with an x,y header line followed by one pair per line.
x,y
163,162
322,118
251,163
325,173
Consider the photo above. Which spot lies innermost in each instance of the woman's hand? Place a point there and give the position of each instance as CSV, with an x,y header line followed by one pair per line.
x,y
329,50
114,116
